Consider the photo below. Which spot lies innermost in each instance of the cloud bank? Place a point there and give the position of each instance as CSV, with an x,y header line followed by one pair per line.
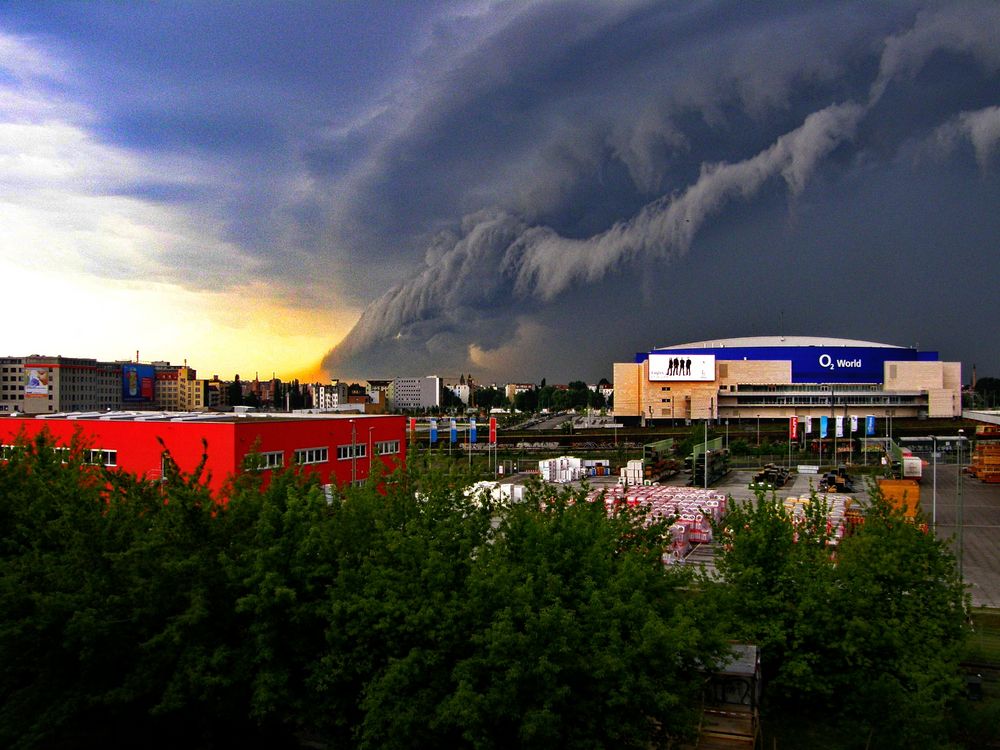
x,y
590,150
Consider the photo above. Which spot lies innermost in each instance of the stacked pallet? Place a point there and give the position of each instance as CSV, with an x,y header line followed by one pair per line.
x,y
571,469
632,473
985,464
693,509
838,509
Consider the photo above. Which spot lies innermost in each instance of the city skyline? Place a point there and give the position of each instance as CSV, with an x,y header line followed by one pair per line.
x,y
518,190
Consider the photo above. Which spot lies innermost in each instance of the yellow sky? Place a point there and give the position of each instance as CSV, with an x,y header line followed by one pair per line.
x,y
88,268
218,333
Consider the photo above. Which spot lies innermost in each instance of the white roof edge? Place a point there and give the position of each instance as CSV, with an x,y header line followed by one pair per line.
x,y
788,341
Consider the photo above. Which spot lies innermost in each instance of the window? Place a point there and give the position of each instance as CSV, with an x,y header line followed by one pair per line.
x,y
101,457
344,451
386,447
311,455
8,451
271,460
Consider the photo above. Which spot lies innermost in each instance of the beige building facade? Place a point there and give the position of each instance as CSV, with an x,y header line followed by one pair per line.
x,y
780,377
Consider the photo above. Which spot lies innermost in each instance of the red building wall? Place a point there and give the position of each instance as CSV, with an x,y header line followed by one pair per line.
x,y
226,443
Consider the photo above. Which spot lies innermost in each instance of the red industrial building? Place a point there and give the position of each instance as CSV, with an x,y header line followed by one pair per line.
x,y
338,448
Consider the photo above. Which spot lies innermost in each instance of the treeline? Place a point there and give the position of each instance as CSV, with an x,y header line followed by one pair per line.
x,y
144,613
408,615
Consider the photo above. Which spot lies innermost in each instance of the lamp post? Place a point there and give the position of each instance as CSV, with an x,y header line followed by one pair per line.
x,y
961,509
371,456
354,454
934,485
705,454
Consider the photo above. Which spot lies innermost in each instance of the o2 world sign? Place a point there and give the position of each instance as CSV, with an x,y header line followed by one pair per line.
x,y
829,363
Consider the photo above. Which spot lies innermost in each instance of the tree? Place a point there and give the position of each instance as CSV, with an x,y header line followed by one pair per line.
x,y
561,400
545,396
116,616
489,397
871,634
581,638
578,394
988,389
402,613
526,401
596,400
235,392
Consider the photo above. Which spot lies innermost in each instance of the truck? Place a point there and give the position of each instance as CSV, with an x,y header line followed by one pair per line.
x,y
912,467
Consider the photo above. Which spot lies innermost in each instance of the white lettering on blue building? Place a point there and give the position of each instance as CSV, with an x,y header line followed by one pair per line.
x,y
825,360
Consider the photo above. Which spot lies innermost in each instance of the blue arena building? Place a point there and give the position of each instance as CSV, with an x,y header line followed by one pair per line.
x,y
783,377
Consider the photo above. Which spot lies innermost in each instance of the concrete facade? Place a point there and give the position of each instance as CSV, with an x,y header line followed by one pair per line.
x,y
40,384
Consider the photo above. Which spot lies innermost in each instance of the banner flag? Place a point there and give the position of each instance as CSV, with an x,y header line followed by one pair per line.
x,y
823,425
869,425
854,424
434,431
472,430
793,428
839,422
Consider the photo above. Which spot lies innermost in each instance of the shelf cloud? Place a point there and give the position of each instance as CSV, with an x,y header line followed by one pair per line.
x,y
559,160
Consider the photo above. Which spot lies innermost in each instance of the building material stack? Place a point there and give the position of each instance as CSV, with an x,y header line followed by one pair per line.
x,y
838,507
985,464
632,473
715,462
561,470
692,509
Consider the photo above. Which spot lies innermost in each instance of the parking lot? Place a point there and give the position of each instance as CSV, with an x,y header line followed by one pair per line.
x,y
979,509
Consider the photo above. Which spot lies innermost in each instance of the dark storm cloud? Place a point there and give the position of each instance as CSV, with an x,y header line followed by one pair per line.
x,y
648,174
538,189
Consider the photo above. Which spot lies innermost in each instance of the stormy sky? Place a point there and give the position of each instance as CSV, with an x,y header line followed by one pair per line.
x,y
516,190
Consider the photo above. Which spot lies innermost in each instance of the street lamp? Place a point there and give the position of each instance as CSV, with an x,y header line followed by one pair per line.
x,y
961,509
354,453
705,454
934,486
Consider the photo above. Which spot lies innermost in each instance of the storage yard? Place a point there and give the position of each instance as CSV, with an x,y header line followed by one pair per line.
x,y
979,510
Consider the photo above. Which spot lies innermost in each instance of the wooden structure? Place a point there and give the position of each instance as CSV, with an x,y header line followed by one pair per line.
x,y
985,464
730,713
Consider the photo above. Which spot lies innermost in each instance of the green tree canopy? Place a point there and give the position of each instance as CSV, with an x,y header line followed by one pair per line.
x,y
401,613
870,632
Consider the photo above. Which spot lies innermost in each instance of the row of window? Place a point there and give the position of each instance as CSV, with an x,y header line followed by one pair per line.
x,y
311,456
387,448
360,450
304,456
98,456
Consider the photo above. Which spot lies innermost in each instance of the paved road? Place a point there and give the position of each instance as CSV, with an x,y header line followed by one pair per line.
x,y
979,542
980,511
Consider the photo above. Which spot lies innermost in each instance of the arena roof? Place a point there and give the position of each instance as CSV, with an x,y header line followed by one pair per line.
x,y
759,341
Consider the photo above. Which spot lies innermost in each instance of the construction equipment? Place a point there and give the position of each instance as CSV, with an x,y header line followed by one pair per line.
x,y
837,481
771,477
659,462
